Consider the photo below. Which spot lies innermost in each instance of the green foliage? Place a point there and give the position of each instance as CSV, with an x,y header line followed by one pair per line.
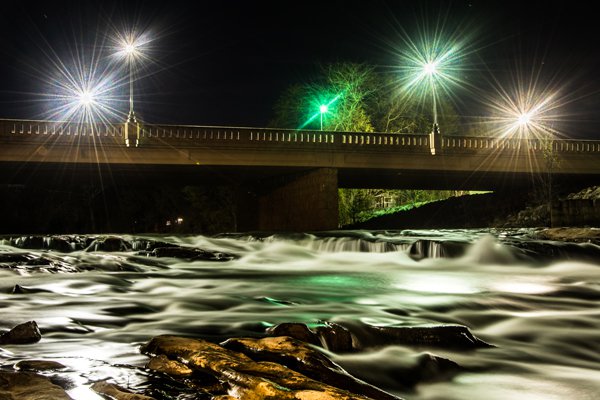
x,y
361,100
359,205
352,202
343,87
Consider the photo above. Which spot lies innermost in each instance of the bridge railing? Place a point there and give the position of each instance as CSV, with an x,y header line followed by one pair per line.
x,y
480,144
60,131
190,136
197,135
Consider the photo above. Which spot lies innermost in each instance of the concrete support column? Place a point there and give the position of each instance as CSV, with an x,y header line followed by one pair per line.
x,y
307,202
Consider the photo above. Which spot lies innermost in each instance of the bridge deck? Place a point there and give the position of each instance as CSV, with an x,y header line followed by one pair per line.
x,y
371,158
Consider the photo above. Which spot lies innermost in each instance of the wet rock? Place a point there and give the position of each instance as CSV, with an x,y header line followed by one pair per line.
x,y
29,386
429,368
328,335
18,289
149,245
38,365
559,249
25,333
245,378
115,392
171,367
300,357
445,336
591,235
191,254
28,242
109,244
9,259
295,330
396,369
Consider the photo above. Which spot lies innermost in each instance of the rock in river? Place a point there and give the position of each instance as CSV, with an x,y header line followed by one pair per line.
x,y
244,377
25,333
29,386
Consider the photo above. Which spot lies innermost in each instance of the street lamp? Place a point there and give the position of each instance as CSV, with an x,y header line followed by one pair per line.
x,y
85,98
130,50
430,70
323,108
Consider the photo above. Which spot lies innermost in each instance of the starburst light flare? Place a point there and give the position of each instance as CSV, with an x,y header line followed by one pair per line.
x,y
431,63
527,112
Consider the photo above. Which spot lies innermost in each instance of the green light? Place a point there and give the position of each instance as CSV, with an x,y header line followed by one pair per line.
x,y
323,108
430,68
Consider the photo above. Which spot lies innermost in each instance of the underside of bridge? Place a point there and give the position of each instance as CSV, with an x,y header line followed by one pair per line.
x,y
264,198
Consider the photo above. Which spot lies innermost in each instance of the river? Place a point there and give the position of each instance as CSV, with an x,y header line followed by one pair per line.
x,y
539,308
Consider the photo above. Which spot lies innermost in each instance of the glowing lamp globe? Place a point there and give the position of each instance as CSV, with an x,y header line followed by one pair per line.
x,y
430,68
129,49
524,119
86,98
323,109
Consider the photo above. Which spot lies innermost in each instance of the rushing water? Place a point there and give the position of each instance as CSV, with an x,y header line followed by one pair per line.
x,y
540,311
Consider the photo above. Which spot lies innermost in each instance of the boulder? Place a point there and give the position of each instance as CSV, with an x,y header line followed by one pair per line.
x,y
302,358
571,234
245,378
115,392
29,386
170,367
444,336
25,333
38,365
190,254
109,244
328,335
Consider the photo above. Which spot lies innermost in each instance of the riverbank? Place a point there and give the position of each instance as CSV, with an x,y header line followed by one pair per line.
x,y
487,210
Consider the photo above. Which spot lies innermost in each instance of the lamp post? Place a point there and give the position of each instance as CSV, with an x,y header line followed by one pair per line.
x,y
430,70
130,51
132,128
323,109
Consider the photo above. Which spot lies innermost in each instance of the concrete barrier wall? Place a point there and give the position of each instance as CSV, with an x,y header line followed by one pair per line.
x,y
579,212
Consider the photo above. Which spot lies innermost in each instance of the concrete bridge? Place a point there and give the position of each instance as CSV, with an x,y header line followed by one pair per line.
x,y
294,173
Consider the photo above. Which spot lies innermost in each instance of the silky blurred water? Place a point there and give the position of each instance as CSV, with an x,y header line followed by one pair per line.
x,y
541,313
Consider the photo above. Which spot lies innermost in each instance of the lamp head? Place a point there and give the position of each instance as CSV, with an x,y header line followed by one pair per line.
x,y
524,119
430,68
323,108
85,98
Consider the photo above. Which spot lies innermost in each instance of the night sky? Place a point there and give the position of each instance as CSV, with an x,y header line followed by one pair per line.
x,y
227,62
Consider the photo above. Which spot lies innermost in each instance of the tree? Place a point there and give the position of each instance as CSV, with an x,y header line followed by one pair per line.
x,y
344,88
359,99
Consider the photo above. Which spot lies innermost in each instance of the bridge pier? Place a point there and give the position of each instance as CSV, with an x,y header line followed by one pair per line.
x,y
300,203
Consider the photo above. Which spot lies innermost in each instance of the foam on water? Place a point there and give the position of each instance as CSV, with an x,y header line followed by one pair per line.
x,y
543,317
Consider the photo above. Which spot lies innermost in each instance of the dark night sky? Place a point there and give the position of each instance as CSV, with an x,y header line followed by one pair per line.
x,y
226,62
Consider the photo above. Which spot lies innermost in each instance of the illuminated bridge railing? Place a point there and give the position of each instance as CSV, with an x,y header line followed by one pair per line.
x,y
199,136
479,144
25,129
185,135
